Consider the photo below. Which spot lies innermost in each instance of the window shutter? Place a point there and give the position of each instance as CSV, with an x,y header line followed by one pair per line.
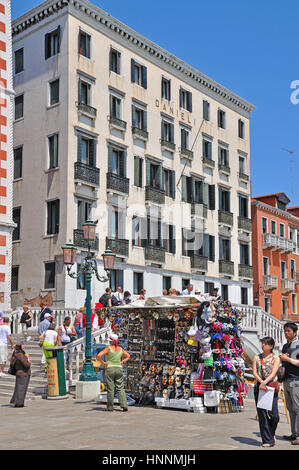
x,y
47,46
79,148
173,239
192,195
164,237
132,71
219,155
144,76
110,159
160,177
181,98
57,210
134,117
136,171
148,172
206,194
172,184
205,245
92,153
144,113
211,248
189,101
123,164
212,201
163,134
171,133
143,231
118,63
58,38
169,90
184,188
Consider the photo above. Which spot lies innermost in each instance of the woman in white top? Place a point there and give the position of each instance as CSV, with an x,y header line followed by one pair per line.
x,y
49,338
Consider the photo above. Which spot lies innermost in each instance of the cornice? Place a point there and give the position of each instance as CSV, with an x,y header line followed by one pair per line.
x,y
276,211
151,51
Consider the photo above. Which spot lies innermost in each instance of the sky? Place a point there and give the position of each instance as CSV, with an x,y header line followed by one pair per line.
x,y
249,47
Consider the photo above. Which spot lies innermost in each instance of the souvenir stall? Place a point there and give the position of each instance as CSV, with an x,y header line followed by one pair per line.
x,y
183,355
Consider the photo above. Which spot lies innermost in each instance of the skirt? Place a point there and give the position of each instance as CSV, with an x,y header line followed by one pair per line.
x,y
20,391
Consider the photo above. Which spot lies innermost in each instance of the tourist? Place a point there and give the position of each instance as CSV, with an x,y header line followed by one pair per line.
x,y
5,338
44,310
264,368
165,292
66,332
98,320
1,317
127,298
49,339
173,292
22,367
26,322
142,294
105,300
78,322
188,290
115,357
290,359
118,295
42,328
216,294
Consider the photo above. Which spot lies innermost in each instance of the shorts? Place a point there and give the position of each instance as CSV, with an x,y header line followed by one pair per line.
x,y
3,353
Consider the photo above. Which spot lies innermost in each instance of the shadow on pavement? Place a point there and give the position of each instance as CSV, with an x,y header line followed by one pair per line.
x,y
247,440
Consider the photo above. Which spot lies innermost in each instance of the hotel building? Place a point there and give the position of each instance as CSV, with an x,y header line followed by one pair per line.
x,y
109,126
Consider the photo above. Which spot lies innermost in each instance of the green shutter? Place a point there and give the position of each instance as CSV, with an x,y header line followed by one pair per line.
x,y
110,159
148,172
184,188
144,77
132,71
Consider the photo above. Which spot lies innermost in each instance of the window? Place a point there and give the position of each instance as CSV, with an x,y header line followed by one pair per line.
x,y
87,151
264,225
154,232
184,139
53,151
166,283
115,107
221,119
169,183
18,158
224,200
169,243
223,159
281,205
138,169
244,296
166,89
49,275
53,217
186,100
224,249
243,206
293,269
52,43
207,149
294,303
15,278
81,280
283,269
206,110
116,279
167,131
54,92
273,227
211,255
138,74
209,288
265,266
114,223
139,231
241,129
114,61
19,107
154,175
224,291
16,217
187,192
242,168
281,230
138,282
267,304
284,308
185,283
84,92
84,44
19,61
117,162
139,118
244,254
83,213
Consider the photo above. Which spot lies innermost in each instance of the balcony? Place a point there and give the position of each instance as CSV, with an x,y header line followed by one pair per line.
x,y
270,282
245,224
155,254
199,262
287,285
81,243
87,110
245,271
118,124
208,162
185,153
87,173
155,195
226,267
118,246
243,176
199,210
224,169
140,133
118,183
226,218
166,145
277,243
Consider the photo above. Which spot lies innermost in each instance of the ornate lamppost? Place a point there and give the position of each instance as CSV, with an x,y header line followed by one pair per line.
x,y
88,267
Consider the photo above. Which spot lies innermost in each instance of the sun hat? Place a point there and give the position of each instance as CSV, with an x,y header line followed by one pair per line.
x,y
113,337
47,315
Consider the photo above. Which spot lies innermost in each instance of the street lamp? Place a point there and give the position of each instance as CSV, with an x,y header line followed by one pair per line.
x,y
88,267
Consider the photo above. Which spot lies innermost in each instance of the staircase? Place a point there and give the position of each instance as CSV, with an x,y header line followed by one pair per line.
x,y
38,381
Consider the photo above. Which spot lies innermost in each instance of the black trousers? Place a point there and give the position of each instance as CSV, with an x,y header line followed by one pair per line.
x,y
268,420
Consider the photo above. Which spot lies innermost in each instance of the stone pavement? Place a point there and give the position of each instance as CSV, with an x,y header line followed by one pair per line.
x,y
73,425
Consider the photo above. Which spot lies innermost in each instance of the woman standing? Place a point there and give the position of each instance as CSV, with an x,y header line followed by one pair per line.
x,y
26,322
66,334
21,364
265,367
116,357
78,322
49,339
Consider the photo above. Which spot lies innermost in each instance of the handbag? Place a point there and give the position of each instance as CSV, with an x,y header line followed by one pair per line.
x,y
12,368
274,385
192,342
281,373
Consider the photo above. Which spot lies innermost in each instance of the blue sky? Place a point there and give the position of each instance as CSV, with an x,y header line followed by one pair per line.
x,y
248,46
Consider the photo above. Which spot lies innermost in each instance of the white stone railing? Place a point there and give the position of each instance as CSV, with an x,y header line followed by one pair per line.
x,y
59,315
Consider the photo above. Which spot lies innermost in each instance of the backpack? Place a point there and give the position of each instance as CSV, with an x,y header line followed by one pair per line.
x,y
104,300
12,367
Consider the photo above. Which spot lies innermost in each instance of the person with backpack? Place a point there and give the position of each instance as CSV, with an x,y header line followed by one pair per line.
x,y
20,366
106,299
26,322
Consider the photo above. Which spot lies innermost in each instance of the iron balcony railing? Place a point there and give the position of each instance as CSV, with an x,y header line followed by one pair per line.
x,y
156,254
185,153
140,133
154,195
208,162
87,109
225,217
244,223
167,145
199,262
118,183
87,173
82,243
226,267
115,122
243,176
224,168
245,271
198,209
118,246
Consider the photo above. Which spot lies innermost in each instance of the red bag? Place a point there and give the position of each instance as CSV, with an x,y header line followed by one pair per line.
x,y
197,383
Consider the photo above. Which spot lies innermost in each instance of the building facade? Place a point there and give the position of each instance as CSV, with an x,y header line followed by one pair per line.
x,y
6,154
110,126
275,255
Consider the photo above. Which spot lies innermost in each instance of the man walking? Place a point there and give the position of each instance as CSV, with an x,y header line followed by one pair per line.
x,y
5,338
290,359
44,310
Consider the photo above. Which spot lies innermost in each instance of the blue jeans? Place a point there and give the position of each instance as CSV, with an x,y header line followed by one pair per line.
x,y
79,332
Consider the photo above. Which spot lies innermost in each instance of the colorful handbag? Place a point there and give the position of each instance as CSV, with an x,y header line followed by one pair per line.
x,y
192,342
